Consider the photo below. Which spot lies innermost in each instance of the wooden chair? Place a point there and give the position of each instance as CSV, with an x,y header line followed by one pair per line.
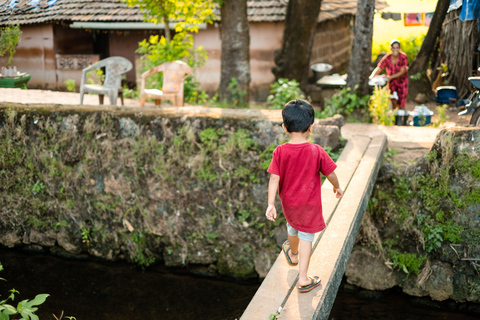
x,y
115,67
174,75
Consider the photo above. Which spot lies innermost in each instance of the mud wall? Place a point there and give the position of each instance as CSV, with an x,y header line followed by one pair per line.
x,y
148,189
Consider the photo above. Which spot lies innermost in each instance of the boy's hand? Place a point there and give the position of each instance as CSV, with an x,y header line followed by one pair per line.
x,y
271,213
338,192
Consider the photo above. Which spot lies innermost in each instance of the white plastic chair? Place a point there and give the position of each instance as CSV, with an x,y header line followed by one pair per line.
x,y
115,67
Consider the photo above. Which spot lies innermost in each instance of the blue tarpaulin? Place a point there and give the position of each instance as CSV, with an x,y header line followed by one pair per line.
x,y
470,9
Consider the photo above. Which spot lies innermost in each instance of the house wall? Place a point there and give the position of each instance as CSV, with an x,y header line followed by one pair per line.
x,y
333,43
124,44
35,56
265,37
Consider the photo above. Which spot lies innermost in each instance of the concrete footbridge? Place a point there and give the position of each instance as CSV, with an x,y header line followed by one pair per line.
x,y
357,170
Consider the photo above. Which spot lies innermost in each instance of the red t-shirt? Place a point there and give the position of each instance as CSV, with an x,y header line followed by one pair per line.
x,y
299,167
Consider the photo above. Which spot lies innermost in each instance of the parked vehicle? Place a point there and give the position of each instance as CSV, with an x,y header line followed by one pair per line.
x,y
472,104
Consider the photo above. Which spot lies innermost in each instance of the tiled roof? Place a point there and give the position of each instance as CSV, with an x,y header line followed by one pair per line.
x,y
41,11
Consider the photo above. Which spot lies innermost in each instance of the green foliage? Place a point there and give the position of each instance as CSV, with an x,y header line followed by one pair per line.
x,y
238,95
452,232
130,93
95,76
140,255
25,308
188,15
283,91
266,156
409,45
344,102
274,316
70,85
158,50
407,262
380,107
9,38
441,116
433,237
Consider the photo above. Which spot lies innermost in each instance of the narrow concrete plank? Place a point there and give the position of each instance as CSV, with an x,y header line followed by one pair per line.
x,y
281,278
331,255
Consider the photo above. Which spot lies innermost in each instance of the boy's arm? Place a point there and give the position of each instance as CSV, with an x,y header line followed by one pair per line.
x,y
271,213
332,177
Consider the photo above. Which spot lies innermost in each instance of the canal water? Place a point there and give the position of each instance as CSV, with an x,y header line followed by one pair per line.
x,y
98,290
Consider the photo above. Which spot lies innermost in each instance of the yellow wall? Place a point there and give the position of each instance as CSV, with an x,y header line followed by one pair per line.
x,y
386,30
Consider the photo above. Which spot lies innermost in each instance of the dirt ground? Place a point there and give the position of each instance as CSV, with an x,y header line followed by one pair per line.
x,y
404,154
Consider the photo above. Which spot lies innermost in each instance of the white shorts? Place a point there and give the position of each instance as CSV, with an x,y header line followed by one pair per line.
x,y
301,235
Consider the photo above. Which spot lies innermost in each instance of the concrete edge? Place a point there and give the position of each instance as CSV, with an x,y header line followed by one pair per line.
x,y
376,149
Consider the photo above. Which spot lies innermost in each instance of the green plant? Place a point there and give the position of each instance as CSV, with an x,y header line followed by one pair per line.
x,y
380,107
130,93
38,187
343,102
238,95
407,262
283,91
25,308
9,38
85,236
70,84
441,116
95,76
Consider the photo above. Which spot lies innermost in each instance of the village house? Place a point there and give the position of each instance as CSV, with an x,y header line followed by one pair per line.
x,y
61,37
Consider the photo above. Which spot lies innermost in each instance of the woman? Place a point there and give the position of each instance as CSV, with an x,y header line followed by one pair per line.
x,y
396,65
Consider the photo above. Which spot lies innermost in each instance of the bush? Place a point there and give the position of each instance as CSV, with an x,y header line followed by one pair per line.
x,y
380,107
344,102
283,91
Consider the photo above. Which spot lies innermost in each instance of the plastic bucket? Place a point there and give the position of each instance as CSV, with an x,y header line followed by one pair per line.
x,y
401,120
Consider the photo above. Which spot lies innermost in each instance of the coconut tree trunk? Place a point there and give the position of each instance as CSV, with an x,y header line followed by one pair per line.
x,y
235,60
293,59
360,60
420,63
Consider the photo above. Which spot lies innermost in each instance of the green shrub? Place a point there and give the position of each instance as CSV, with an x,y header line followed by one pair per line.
x,y
380,107
283,91
344,102
407,262
70,84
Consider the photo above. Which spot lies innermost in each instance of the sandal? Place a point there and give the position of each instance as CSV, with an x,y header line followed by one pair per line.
x,y
313,284
285,249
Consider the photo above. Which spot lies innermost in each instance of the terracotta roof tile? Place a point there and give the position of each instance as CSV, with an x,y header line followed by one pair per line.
x,y
115,10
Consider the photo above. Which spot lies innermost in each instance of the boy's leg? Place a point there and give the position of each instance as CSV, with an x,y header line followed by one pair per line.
x,y
293,253
305,249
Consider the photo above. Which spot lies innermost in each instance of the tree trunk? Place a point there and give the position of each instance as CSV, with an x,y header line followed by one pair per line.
x,y
235,61
420,63
359,68
293,59
168,35
459,42
418,67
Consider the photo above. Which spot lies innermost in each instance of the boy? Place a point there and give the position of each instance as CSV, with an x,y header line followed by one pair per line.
x,y
295,171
